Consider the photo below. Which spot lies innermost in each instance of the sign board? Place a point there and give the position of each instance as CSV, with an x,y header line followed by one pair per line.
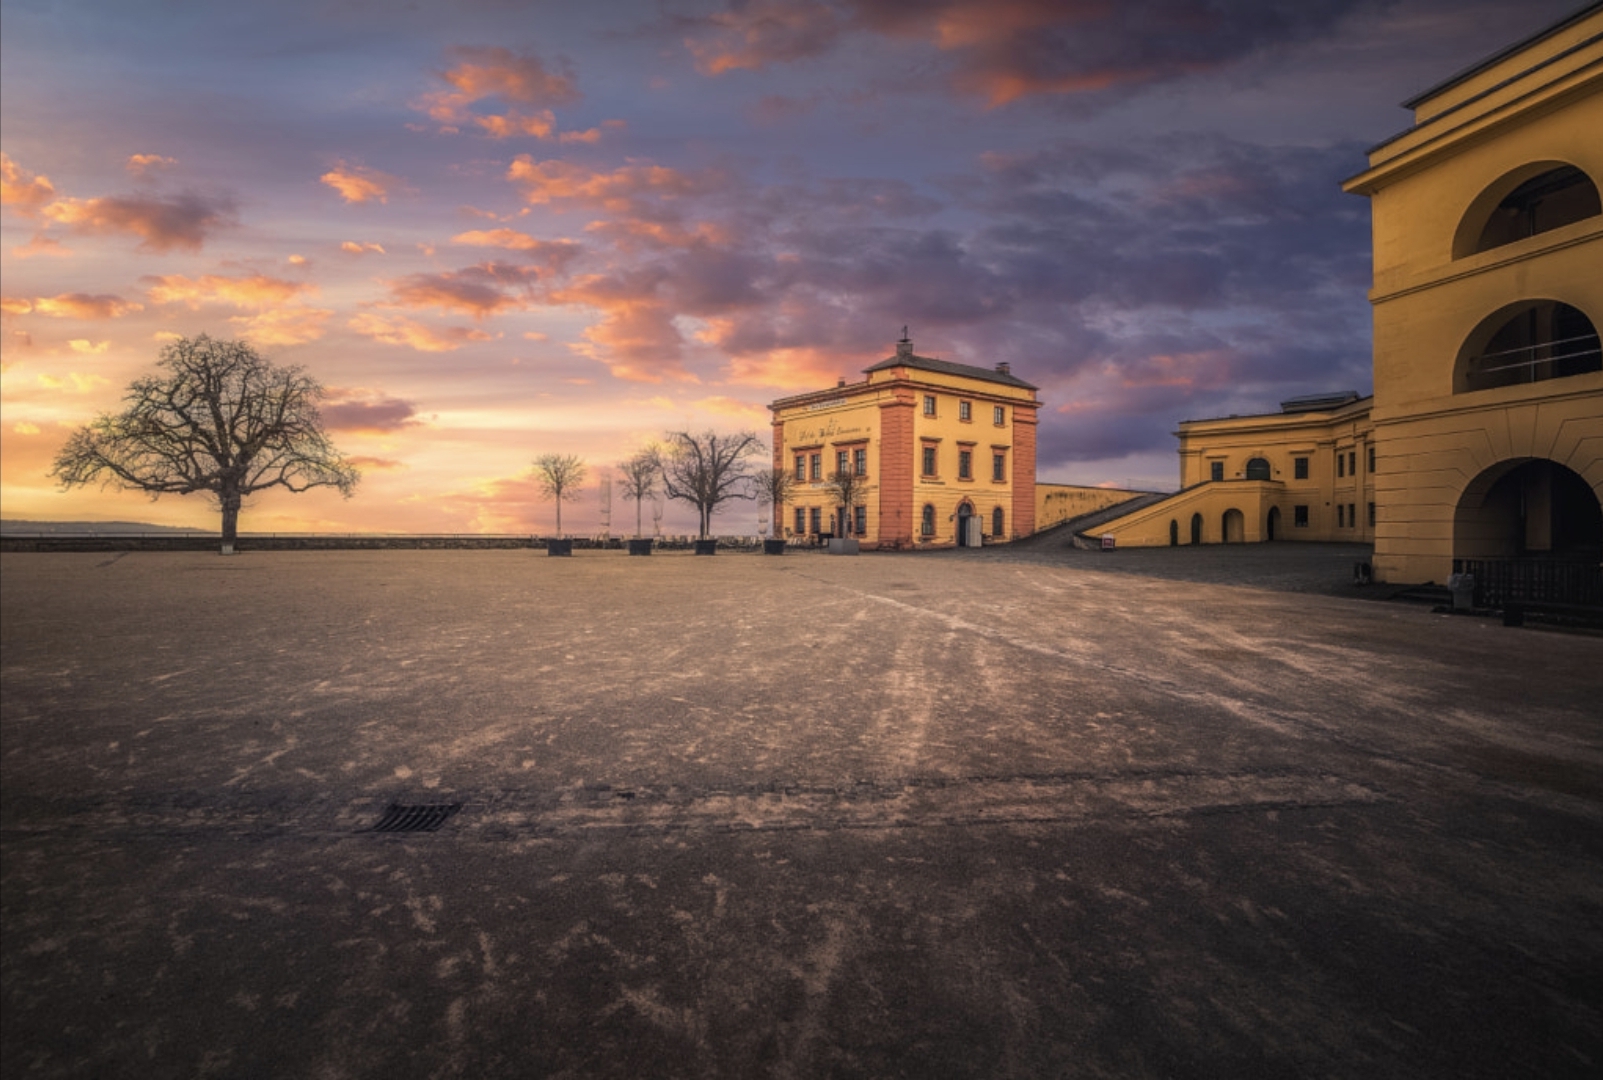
x,y
1107,541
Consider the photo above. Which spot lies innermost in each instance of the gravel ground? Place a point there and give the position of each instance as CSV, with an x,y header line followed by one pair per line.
x,y
988,814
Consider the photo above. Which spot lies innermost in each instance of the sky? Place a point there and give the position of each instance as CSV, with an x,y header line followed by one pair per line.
x,y
496,229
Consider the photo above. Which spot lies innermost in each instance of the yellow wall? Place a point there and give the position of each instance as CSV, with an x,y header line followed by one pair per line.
x,y
1430,189
1060,502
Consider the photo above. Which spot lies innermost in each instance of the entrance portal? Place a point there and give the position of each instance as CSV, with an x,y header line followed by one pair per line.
x,y
1529,506
965,515
1196,528
1234,527
1272,526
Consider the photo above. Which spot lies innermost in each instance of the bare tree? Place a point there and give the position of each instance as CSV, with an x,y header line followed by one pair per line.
x,y
707,470
773,488
222,421
849,490
559,477
639,480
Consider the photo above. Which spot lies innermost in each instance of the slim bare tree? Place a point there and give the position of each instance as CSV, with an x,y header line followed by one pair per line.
x,y
849,490
559,477
773,488
707,470
639,481
220,420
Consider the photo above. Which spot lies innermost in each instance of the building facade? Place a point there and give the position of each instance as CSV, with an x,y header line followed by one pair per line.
x,y
1488,290
944,454
1484,436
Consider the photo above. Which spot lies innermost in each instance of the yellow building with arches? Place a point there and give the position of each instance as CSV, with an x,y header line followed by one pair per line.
x,y
1484,436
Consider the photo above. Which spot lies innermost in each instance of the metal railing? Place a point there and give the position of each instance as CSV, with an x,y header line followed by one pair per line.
x,y
1501,582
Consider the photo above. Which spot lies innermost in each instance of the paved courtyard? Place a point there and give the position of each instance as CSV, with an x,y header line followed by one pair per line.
x,y
968,815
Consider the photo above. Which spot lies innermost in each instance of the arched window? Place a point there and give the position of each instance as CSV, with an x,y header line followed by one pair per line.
x,y
1541,196
1527,342
1257,469
927,522
996,523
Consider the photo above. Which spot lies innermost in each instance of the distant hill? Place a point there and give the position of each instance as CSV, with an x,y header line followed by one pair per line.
x,y
12,526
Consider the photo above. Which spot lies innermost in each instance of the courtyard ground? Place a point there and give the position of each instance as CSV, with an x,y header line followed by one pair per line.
x,y
980,814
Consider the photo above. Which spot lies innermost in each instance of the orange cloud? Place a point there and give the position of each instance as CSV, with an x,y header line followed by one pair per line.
x,y
283,326
557,251
254,291
539,125
92,348
636,338
757,34
376,464
400,331
40,244
355,248
479,290
140,164
616,191
74,383
23,190
590,135
358,185
72,306
182,221
481,72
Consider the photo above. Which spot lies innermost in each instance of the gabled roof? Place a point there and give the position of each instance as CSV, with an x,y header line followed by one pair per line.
x,y
949,367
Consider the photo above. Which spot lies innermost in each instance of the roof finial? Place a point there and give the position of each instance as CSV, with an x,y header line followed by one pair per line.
x,y
904,334
904,347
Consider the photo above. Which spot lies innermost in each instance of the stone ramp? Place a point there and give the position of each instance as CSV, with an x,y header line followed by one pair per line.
x,y
1068,530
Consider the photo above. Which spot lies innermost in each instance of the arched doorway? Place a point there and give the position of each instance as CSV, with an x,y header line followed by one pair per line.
x,y
1174,533
1271,527
1233,527
1528,507
1196,528
965,531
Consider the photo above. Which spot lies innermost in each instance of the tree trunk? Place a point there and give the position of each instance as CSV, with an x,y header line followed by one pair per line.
x,y
231,501
559,515
705,522
637,517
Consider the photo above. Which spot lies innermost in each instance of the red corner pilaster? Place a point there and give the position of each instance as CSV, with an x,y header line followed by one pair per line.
x,y
1023,470
896,471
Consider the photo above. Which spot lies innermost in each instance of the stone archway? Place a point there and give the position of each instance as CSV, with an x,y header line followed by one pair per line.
x,y
1272,523
1528,507
1233,527
1196,528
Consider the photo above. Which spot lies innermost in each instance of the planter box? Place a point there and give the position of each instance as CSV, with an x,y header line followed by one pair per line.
x,y
773,547
843,545
640,547
706,547
559,547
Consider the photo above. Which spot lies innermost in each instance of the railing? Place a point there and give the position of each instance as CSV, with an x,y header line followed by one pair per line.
x,y
1501,582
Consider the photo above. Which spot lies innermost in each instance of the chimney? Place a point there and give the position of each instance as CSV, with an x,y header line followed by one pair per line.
x,y
1004,368
841,383
904,347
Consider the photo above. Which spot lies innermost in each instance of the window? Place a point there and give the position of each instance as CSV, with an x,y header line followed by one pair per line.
x,y
926,524
815,520
1352,463
929,405
1352,515
1341,464
1341,516
1299,468
965,464
965,411
1216,470
817,467
1371,464
1258,469
801,466
1527,342
860,461
843,461
998,416
1299,516
997,522
860,520
1371,515
999,469
801,521
929,461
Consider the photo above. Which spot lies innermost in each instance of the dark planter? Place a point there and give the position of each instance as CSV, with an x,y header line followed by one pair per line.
x,y
706,547
773,547
640,547
559,547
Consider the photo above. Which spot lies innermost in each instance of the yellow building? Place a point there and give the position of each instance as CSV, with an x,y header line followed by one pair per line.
x,y
1303,473
1484,437
944,451
1488,288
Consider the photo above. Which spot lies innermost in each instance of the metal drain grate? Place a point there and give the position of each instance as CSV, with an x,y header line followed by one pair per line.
x,y
399,818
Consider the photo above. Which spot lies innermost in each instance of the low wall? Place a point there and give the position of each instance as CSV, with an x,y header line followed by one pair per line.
x,y
1056,503
291,542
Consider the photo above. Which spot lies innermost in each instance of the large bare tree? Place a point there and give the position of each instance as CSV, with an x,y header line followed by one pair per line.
x,y
707,470
849,490
219,420
773,488
639,481
559,477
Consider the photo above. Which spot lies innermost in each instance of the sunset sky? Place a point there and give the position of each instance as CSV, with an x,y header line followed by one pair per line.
x,y
495,229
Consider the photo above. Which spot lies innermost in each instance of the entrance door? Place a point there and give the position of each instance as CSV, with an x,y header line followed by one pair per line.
x,y
1273,525
965,515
